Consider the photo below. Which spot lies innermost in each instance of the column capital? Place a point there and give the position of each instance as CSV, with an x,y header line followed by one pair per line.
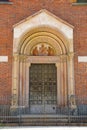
x,y
63,58
23,58
70,55
15,57
18,57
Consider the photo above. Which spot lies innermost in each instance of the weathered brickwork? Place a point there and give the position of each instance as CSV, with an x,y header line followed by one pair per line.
x,y
11,14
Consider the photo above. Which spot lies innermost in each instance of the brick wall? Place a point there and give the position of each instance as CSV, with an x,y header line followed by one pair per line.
x,y
11,14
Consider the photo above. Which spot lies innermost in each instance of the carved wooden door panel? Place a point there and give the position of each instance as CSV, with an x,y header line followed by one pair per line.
x,y
43,88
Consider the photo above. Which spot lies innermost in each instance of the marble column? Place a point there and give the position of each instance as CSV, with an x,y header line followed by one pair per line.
x,y
27,83
70,65
24,83
71,83
58,85
65,83
63,60
15,81
21,84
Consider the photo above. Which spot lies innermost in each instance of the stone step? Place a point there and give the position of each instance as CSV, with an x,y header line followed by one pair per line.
x,y
43,122
35,120
29,120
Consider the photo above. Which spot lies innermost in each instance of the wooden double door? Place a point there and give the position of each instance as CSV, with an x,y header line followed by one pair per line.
x,y
42,88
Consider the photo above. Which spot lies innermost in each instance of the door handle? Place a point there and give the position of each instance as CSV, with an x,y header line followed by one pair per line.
x,y
53,108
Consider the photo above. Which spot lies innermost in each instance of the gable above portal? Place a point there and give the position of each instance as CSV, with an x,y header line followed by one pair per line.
x,y
42,18
45,24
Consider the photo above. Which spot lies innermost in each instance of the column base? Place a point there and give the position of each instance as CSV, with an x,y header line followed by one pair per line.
x,y
73,110
19,110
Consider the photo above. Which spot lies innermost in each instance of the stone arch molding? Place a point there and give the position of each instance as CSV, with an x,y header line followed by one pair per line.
x,y
42,27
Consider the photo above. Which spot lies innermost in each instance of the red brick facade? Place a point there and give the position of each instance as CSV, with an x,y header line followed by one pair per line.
x,y
11,14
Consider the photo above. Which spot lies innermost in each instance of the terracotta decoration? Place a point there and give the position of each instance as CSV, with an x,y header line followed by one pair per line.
x,y
43,50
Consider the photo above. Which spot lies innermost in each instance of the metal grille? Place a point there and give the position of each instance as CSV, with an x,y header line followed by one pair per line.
x,y
43,85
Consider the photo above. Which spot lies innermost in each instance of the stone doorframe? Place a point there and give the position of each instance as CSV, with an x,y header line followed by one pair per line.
x,y
64,65
56,32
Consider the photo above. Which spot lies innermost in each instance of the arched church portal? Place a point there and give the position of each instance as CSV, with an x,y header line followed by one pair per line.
x,y
43,75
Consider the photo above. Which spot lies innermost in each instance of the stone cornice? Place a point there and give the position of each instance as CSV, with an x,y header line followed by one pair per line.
x,y
74,2
79,4
6,2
